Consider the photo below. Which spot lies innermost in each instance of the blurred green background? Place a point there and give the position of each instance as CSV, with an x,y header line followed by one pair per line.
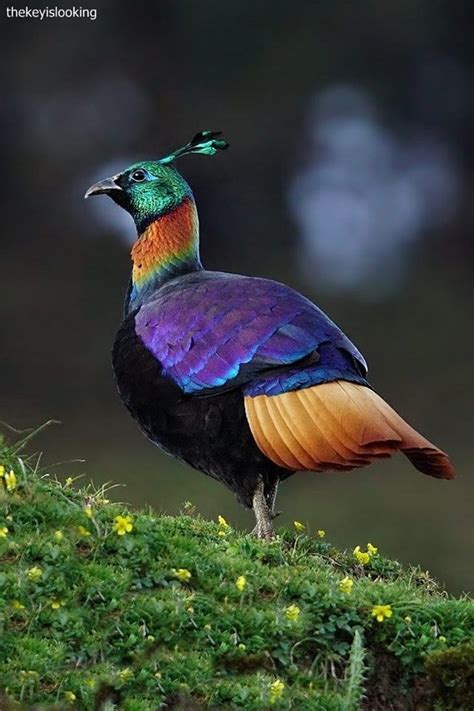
x,y
349,177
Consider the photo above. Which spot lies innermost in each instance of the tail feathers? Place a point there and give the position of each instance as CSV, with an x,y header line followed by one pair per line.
x,y
337,426
431,461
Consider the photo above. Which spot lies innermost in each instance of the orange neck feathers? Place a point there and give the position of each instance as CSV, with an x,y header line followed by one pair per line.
x,y
168,246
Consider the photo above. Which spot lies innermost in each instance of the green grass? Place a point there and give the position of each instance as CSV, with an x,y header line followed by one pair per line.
x,y
91,619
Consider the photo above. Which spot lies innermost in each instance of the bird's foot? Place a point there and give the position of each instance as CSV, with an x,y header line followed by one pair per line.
x,y
266,535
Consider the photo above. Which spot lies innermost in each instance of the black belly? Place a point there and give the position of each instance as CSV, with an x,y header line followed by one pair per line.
x,y
210,434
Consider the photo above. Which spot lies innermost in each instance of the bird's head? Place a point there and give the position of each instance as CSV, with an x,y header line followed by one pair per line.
x,y
150,189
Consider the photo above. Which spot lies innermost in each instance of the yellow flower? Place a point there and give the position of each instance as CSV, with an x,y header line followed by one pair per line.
x,y
182,574
292,612
221,534
362,557
58,535
3,531
276,691
56,604
17,605
381,612
88,511
123,525
222,522
91,683
2,470
321,533
126,674
441,639
241,583
371,550
70,696
150,638
83,531
69,481
345,585
407,619
34,574
10,481
299,527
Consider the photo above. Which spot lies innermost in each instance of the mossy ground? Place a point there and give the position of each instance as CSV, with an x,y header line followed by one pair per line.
x,y
91,619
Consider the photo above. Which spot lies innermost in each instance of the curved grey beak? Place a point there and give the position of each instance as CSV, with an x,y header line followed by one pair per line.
x,y
103,187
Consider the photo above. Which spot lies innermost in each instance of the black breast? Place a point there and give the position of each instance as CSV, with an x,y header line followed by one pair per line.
x,y
209,433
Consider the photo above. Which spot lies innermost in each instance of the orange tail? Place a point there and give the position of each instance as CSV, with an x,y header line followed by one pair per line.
x,y
338,425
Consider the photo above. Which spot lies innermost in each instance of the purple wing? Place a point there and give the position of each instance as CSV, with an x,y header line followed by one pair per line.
x,y
211,331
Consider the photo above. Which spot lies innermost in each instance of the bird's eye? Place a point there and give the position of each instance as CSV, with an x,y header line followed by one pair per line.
x,y
138,176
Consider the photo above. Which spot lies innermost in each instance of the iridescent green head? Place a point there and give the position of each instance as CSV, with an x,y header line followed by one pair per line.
x,y
150,189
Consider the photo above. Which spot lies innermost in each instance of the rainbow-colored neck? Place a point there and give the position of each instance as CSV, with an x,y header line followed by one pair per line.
x,y
167,247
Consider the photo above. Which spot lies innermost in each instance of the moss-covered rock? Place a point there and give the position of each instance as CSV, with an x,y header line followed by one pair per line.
x,y
102,607
451,672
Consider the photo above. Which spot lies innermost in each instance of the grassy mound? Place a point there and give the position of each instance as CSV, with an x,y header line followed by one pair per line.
x,y
104,608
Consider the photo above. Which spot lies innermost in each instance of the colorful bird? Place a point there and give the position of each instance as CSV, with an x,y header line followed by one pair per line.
x,y
242,378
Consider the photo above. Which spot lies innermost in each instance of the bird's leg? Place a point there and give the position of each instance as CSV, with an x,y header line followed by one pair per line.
x,y
263,513
271,499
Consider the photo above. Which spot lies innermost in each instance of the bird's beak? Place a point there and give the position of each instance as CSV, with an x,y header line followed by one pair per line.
x,y
103,187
